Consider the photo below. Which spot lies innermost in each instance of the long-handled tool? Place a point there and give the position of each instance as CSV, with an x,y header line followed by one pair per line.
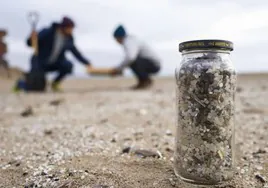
x,y
35,79
33,18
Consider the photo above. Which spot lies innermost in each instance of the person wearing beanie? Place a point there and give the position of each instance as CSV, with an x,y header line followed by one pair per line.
x,y
138,57
53,42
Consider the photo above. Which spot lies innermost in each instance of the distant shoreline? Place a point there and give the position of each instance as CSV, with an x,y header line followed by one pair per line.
x,y
157,76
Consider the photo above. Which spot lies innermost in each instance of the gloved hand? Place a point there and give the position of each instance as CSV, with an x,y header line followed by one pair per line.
x,y
115,72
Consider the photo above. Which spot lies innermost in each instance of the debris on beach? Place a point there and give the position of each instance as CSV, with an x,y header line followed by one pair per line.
x,y
126,150
67,184
14,162
48,132
260,151
101,186
142,152
113,140
104,120
147,153
168,133
56,102
127,139
168,149
260,178
27,112
30,185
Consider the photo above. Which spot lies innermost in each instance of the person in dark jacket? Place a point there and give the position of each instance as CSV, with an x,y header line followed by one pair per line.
x,y
53,42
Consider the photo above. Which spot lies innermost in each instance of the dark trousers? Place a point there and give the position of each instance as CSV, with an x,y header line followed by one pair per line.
x,y
63,68
143,68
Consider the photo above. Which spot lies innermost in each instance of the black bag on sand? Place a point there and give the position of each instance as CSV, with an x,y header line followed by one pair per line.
x,y
35,81
36,78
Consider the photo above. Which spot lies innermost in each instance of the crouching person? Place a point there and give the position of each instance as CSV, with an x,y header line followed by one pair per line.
x,y
138,57
53,42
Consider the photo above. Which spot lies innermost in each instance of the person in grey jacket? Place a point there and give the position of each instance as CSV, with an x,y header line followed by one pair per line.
x,y
138,57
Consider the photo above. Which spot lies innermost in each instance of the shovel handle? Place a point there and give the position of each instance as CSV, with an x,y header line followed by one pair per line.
x,y
33,18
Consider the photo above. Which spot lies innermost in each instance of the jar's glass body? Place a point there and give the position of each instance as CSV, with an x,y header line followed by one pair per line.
x,y
206,84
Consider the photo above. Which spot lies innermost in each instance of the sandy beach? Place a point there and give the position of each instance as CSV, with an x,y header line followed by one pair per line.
x,y
77,140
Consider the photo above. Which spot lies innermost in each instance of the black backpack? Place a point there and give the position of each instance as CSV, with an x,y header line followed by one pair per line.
x,y
36,78
35,81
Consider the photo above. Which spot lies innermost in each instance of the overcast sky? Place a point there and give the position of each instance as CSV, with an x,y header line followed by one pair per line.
x,y
161,23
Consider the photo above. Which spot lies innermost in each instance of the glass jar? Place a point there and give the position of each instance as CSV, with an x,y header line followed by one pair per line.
x,y
206,85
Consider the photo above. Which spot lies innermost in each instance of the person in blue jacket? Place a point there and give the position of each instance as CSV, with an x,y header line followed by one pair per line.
x,y
53,42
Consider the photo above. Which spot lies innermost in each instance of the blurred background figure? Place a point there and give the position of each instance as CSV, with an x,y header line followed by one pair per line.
x,y
138,57
53,42
3,50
